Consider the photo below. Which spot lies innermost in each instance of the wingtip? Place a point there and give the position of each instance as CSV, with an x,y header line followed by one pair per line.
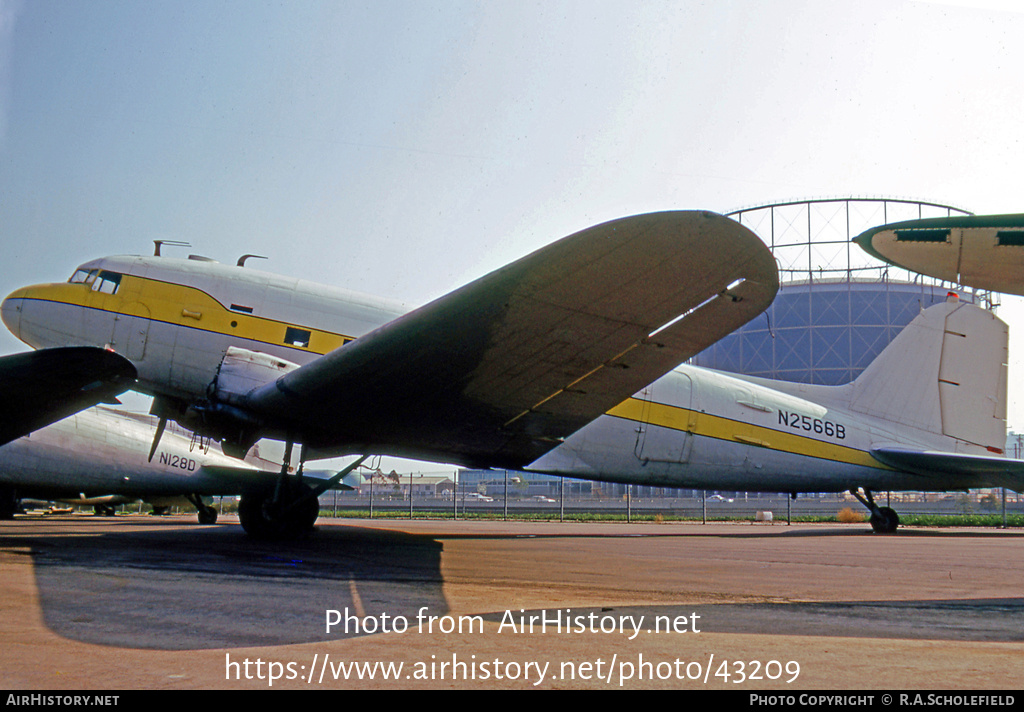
x,y
865,241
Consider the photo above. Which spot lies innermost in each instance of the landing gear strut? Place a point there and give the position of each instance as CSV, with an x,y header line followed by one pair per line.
x,y
207,514
289,509
285,512
884,520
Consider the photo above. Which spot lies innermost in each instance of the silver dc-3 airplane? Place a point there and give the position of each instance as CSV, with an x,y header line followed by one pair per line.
x,y
100,457
566,362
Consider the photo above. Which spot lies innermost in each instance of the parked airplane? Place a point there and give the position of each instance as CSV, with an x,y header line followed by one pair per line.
x,y
45,386
980,251
42,387
553,364
99,458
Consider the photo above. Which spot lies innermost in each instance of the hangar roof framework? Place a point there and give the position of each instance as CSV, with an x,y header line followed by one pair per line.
x,y
838,307
812,239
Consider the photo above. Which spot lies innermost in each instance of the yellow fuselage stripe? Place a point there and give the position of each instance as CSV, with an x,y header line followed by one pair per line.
x,y
720,428
181,305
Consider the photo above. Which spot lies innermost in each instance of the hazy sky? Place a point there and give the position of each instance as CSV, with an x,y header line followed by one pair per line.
x,y
403,148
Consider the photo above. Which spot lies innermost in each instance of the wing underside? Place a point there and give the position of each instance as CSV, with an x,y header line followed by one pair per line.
x,y
42,387
981,251
501,370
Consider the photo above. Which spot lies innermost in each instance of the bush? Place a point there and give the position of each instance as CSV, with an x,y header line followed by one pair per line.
x,y
848,516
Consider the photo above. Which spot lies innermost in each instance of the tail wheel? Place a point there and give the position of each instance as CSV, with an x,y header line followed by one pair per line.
x,y
885,521
207,514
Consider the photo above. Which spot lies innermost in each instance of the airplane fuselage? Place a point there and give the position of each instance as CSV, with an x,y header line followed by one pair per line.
x,y
176,319
101,452
703,429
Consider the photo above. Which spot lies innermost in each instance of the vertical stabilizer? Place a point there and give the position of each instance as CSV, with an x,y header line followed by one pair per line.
x,y
945,373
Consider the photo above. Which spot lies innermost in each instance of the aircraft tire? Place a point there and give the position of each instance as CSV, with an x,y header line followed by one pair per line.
x,y
8,503
208,516
886,521
260,522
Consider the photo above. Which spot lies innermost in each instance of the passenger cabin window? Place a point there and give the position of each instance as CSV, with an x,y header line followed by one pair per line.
x,y
106,282
296,337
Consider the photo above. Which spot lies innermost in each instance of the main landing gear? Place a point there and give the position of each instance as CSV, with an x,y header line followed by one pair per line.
x,y
284,512
9,503
290,509
272,514
884,520
207,514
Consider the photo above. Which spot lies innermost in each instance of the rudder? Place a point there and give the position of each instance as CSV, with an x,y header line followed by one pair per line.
x,y
945,373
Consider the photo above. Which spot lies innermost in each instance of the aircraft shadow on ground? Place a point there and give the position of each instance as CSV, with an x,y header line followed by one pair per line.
x,y
181,589
994,620
980,620
215,588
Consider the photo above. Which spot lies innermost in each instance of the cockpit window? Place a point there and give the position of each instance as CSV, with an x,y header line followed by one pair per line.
x,y
83,276
106,282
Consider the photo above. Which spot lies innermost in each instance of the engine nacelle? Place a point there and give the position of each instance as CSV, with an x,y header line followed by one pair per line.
x,y
242,371
223,414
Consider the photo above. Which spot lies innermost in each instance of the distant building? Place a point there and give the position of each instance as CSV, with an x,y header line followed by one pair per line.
x,y
425,486
821,332
837,307
493,483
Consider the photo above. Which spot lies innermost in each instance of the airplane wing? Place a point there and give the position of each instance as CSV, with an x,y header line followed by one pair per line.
x,y
500,371
42,387
956,470
220,480
981,251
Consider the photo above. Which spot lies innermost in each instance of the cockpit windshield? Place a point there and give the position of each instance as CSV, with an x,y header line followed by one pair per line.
x,y
106,282
100,279
83,276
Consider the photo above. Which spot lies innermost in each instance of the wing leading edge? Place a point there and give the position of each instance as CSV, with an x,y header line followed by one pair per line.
x,y
981,251
42,387
498,372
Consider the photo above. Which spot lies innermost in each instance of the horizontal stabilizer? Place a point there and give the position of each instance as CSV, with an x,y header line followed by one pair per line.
x,y
958,470
224,479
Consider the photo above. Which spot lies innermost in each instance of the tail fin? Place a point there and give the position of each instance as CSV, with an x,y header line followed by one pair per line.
x,y
945,373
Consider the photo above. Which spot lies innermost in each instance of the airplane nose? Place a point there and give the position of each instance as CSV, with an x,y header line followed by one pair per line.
x,y
10,311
